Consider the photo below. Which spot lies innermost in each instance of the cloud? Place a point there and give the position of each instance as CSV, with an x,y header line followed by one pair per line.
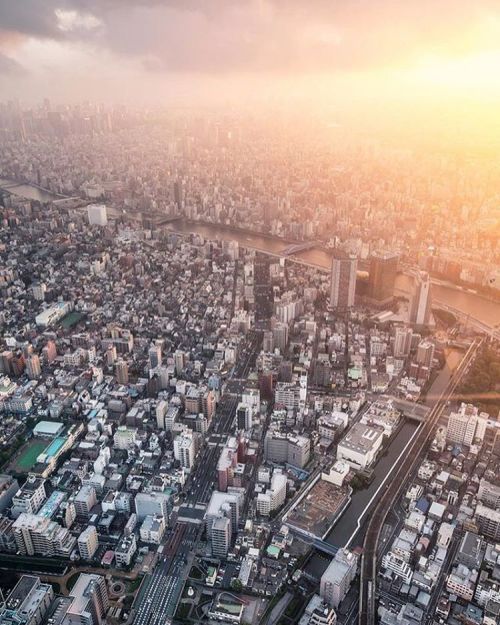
x,y
9,66
259,36
35,18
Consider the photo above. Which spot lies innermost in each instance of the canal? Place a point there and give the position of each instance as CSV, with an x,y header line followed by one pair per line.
x,y
355,514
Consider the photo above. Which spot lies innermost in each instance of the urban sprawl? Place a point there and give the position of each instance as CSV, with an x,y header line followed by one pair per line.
x,y
229,390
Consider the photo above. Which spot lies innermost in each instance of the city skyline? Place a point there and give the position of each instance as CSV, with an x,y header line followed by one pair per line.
x,y
385,65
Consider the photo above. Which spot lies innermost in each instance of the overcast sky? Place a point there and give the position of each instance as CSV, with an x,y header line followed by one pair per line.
x,y
222,50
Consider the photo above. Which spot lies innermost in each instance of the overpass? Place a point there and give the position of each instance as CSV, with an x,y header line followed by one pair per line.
x,y
368,576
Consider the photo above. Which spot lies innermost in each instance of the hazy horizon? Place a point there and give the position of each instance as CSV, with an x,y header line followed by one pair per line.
x,y
387,64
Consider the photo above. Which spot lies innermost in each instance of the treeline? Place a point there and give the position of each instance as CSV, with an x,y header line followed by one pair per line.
x,y
482,384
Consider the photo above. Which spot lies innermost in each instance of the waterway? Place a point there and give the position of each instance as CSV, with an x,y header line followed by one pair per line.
x,y
347,525
480,308
355,514
471,304
342,532
27,191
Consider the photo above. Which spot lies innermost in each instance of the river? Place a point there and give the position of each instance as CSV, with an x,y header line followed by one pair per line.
x,y
485,310
27,191
480,308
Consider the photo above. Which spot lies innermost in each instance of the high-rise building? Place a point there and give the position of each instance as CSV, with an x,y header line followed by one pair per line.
x,y
111,355
262,288
88,542
251,398
208,404
274,496
36,535
318,612
402,342
228,461
244,416
9,486
488,521
121,372
268,342
337,578
85,500
154,356
221,536
425,353
224,504
180,361
39,289
30,497
185,449
280,336
383,271
343,281
90,601
125,437
420,311
489,493
152,529
282,447
49,352
33,368
151,504
97,214
125,550
161,411
466,425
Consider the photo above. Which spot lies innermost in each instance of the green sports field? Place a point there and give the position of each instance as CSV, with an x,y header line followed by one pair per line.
x,y
28,455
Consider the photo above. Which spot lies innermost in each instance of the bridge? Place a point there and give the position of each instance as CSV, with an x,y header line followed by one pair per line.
x,y
295,248
162,221
322,545
314,541
492,331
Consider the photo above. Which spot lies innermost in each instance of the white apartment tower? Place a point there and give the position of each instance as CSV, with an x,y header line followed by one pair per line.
x,y
97,214
421,299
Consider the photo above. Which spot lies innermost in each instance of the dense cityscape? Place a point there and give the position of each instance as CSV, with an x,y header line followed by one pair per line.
x,y
249,312
233,386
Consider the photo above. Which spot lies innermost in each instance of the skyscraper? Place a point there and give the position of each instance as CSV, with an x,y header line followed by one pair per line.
x,y
263,292
383,270
121,372
343,281
154,356
33,368
421,299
